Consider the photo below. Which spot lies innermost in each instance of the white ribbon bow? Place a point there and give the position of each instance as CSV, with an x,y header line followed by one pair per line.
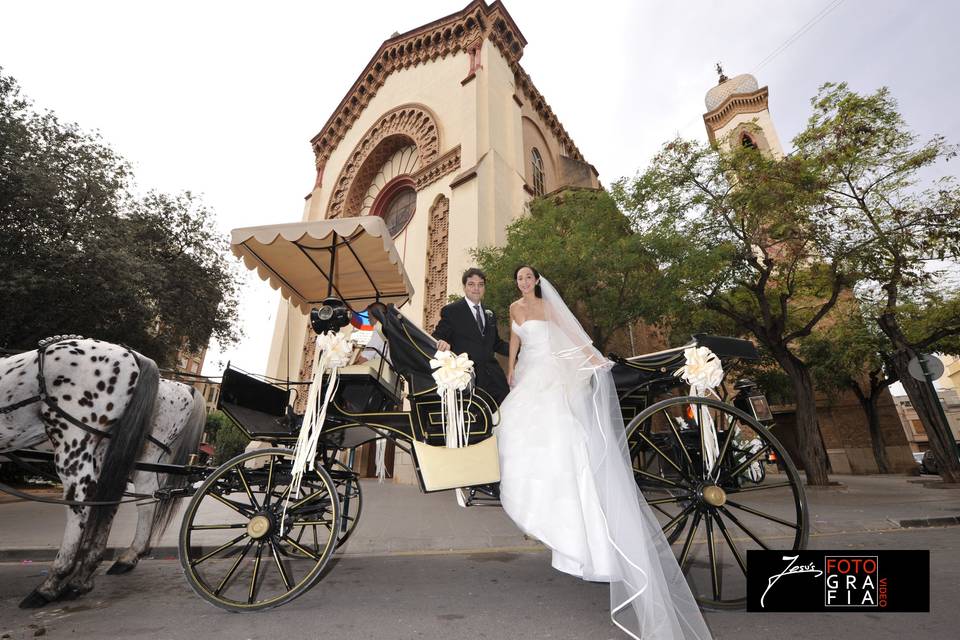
x,y
452,374
703,372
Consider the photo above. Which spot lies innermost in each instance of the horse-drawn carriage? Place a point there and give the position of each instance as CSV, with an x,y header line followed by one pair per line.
x,y
719,482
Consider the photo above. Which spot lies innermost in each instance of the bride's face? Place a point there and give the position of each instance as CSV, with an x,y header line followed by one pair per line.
x,y
526,281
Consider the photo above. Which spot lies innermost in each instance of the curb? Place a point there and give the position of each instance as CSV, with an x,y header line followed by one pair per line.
x,y
47,554
29,556
942,521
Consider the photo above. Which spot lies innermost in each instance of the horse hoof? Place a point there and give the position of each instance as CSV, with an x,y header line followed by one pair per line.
x,y
71,593
120,568
34,601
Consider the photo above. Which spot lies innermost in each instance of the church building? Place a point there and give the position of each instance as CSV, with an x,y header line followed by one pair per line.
x,y
445,136
738,114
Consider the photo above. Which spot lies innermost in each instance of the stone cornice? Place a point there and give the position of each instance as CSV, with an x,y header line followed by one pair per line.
x,y
539,104
461,31
734,105
450,161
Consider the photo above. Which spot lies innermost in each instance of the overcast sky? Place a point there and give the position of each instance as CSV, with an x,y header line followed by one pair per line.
x,y
222,98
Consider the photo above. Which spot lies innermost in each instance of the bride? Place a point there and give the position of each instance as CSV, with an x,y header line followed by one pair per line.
x,y
565,474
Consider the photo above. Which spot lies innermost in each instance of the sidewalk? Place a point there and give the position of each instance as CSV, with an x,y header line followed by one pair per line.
x,y
398,519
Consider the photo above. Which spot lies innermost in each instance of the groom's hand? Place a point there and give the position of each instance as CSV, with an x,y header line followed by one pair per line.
x,y
443,345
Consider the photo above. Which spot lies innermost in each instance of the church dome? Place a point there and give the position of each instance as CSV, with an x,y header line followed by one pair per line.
x,y
743,83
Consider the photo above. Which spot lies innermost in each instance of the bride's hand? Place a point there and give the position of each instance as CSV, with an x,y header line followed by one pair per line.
x,y
510,378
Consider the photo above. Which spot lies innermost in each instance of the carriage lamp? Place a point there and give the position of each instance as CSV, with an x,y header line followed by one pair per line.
x,y
751,400
331,316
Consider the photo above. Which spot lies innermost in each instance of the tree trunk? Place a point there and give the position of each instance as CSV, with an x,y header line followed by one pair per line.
x,y
812,453
925,402
869,406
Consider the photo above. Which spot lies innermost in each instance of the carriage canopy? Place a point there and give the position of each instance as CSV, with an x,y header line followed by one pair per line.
x,y
353,259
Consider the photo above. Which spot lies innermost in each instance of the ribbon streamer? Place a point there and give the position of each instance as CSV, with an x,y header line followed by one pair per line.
x,y
704,372
332,351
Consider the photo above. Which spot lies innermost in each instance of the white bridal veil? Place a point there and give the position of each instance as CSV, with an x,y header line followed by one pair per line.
x,y
649,598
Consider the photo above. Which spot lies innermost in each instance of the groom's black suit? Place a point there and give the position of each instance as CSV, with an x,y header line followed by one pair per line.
x,y
458,326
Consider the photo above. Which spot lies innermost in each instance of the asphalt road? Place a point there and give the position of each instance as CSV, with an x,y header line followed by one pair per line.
x,y
485,595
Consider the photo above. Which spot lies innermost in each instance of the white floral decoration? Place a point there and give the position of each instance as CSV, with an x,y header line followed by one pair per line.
x,y
702,370
453,374
336,348
452,371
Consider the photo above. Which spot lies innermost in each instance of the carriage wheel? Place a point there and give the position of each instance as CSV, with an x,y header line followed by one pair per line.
x,y
240,550
347,482
749,496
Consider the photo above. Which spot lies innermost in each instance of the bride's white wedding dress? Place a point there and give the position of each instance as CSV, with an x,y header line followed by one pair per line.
x,y
566,479
545,484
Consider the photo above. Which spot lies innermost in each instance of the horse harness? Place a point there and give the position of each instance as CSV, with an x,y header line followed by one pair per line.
x,y
44,397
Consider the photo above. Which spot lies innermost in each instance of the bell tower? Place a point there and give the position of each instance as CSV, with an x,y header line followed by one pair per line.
x,y
738,114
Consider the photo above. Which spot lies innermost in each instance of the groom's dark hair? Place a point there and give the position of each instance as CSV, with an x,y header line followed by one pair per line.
x,y
472,271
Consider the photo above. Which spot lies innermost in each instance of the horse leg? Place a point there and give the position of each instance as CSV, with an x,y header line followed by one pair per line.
x,y
51,588
89,557
145,483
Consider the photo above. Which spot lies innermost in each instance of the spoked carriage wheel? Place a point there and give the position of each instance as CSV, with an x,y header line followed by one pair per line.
x,y
347,482
715,501
238,548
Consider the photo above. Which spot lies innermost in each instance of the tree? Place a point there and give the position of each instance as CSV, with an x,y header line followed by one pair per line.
x,y
871,170
582,243
740,234
850,355
81,254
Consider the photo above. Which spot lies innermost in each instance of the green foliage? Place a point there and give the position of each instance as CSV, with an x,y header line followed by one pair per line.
x,y
81,254
850,351
584,245
227,438
907,231
737,234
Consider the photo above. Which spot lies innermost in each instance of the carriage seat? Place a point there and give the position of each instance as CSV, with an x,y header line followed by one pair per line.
x,y
631,372
385,375
411,348
369,386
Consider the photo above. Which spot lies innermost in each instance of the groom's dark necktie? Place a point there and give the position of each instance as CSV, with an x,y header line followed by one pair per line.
x,y
476,310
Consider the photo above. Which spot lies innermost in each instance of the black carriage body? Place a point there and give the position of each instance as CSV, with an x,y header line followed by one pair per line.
x,y
641,380
364,407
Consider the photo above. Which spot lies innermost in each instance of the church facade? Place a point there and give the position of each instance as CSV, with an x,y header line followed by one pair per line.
x,y
446,137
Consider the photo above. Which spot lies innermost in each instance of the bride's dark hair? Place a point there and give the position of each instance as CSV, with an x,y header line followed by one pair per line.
x,y
536,274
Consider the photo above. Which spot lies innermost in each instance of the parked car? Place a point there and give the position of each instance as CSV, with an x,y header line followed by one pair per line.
x,y
918,458
929,464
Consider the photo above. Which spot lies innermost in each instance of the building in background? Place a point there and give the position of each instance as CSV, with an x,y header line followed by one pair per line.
x,y
189,364
948,391
445,136
738,114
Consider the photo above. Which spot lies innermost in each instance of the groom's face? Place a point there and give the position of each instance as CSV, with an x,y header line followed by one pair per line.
x,y
474,289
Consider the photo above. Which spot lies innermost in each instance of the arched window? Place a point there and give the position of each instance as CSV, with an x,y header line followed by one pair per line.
x,y
747,141
537,161
399,209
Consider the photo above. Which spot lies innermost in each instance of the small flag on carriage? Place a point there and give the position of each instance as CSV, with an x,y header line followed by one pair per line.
x,y
361,321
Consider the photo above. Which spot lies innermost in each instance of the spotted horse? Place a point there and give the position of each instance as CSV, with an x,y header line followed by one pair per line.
x,y
94,404
177,426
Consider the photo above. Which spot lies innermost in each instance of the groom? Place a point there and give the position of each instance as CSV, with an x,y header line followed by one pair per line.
x,y
466,326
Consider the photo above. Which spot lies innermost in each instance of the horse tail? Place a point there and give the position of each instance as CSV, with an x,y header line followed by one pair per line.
x,y
126,440
186,443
